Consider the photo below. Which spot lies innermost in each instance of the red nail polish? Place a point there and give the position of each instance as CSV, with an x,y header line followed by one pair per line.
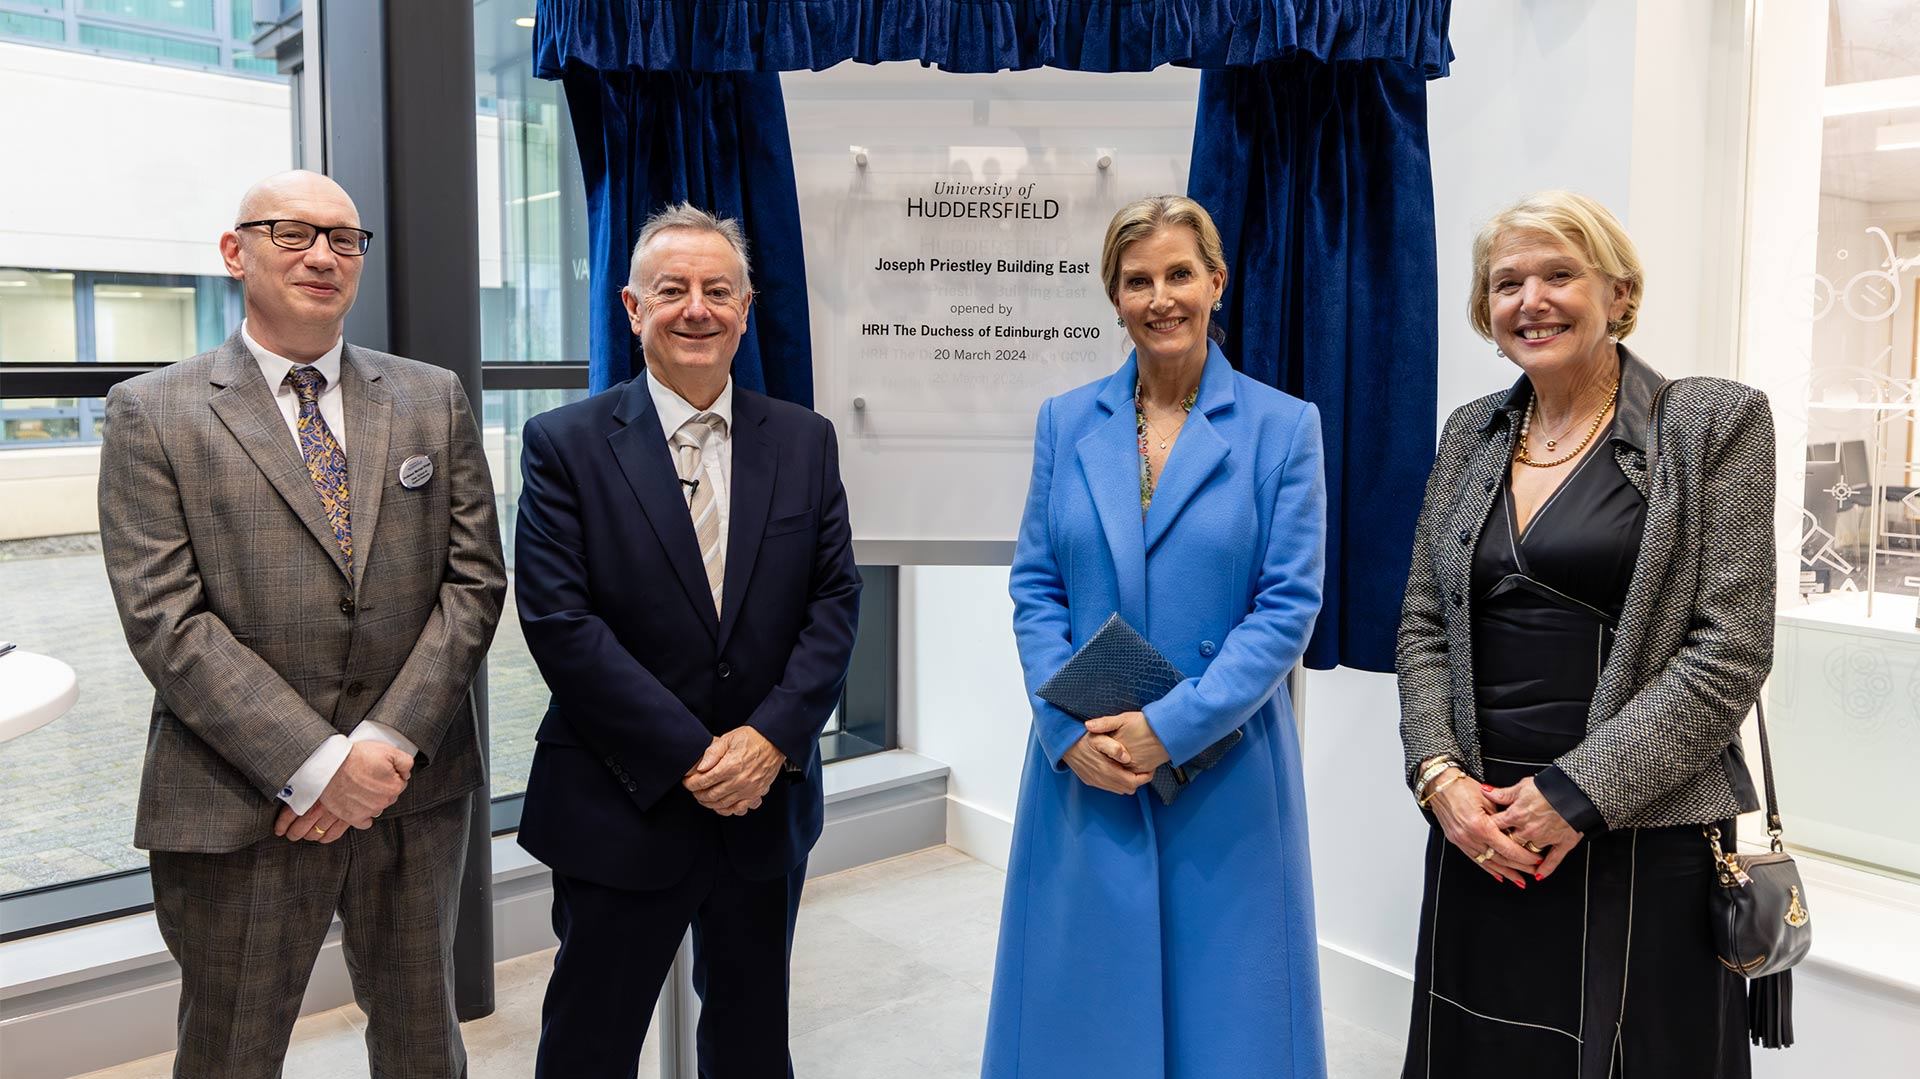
x,y
1538,877
1486,788
1522,884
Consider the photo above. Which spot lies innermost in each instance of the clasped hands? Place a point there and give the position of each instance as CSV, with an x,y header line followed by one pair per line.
x,y
1117,754
1525,835
735,772
369,781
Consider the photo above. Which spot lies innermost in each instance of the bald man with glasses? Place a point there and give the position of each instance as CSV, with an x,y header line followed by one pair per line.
x,y
301,540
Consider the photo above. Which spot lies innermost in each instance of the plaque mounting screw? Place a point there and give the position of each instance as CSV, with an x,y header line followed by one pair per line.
x,y
859,155
1104,160
859,404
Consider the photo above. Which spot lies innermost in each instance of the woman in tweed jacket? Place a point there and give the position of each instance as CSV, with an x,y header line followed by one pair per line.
x,y
1581,640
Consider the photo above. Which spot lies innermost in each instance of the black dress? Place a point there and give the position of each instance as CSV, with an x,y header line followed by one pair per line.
x,y
1605,969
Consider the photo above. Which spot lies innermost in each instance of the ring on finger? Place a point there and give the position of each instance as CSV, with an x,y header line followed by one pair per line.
x,y
1483,856
1532,846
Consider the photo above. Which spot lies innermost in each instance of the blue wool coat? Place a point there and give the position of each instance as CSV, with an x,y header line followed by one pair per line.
x,y
1137,939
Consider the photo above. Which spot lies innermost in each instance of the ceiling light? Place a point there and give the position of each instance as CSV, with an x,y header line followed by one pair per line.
x,y
1879,95
13,284
117,294
525,22
1897,137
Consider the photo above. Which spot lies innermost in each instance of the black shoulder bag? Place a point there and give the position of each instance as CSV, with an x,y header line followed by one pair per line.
x,y
1758,911
1761,927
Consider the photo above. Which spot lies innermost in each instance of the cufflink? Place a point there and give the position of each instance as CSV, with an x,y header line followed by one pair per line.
x,y
286,792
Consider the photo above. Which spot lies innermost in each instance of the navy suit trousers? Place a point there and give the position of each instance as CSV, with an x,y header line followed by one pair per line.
x,y
617,945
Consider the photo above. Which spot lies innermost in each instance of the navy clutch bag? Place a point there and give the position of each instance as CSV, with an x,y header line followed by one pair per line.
x,y
1118,671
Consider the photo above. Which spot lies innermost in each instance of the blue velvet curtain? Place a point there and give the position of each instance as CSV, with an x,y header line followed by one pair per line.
x,y
1310,152
1319,179
720,141
982,35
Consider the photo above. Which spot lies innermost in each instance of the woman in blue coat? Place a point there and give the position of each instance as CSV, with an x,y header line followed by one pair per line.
x,y
1141,939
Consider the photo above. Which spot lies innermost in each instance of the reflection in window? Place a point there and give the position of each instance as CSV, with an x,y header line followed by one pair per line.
x,y
67,790
37,317
533,309
533,220
34,27
186,14
165,48
143,324
516,694
1846,682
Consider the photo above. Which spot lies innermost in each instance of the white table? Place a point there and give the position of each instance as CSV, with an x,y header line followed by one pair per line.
x,y
35,690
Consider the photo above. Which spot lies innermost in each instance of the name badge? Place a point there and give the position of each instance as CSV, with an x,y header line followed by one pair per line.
x,y
415,472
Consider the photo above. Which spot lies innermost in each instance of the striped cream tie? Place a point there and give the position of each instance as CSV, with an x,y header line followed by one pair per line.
x,y
690,444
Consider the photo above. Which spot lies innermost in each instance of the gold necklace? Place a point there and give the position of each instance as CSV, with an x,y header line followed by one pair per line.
x,y
1526,424
1140,413
1164,439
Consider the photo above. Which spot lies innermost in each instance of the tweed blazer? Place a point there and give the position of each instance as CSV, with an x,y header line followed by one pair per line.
x,y
237,604
1695,637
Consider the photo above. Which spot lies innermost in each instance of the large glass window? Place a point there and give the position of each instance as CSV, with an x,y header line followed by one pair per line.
x,y
1833,320
141,285
190,14
200,33
37,323
66,791
516,694
32,27
533,282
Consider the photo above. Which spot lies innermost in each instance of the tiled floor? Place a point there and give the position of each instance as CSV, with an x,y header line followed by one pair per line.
x,y
67,791
892,967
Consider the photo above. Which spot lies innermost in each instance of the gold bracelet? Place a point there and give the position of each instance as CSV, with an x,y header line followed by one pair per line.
x,y
1432,770
1438,787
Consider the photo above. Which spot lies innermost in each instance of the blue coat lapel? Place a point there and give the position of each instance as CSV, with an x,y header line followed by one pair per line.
x,y
1110,460
1199,452
641,450
755,466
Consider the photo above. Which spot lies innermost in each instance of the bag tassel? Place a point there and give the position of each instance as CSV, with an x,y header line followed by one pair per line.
x,y
1770,1010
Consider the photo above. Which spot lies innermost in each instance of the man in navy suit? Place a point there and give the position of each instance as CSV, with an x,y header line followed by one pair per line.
x,y
686,582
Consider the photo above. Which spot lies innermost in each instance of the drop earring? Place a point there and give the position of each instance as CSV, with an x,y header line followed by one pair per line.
x,y
1217,305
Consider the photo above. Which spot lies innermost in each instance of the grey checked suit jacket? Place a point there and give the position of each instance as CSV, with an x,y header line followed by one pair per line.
x,y
1695,638
235,602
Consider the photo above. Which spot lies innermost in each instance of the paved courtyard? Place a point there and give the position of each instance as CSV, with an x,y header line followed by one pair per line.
x,y
67,791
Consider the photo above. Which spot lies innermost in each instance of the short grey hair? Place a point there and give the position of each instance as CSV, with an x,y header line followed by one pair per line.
x,y
685,215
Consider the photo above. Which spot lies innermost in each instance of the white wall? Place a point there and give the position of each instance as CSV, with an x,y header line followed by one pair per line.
x,y
122,165
962,699
1639,105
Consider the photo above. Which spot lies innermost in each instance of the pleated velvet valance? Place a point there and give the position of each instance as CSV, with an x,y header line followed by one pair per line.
x,y
983,35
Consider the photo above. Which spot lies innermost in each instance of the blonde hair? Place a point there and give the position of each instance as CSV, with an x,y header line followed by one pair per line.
x,y
1573,221
1139,219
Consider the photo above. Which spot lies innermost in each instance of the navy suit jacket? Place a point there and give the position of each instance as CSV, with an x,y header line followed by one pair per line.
x,y
614,603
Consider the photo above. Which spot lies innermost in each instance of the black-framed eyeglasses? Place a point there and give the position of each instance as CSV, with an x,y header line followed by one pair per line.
x,y
299,235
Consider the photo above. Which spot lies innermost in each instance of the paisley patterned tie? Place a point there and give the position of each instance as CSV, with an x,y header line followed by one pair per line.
x,y
326,461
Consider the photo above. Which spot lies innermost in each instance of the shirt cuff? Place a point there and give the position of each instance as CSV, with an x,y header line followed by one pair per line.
x,y
369,731
303,789
1569,800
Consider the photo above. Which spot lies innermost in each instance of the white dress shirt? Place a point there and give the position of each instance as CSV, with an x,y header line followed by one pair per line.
x,y
303,788
716,468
